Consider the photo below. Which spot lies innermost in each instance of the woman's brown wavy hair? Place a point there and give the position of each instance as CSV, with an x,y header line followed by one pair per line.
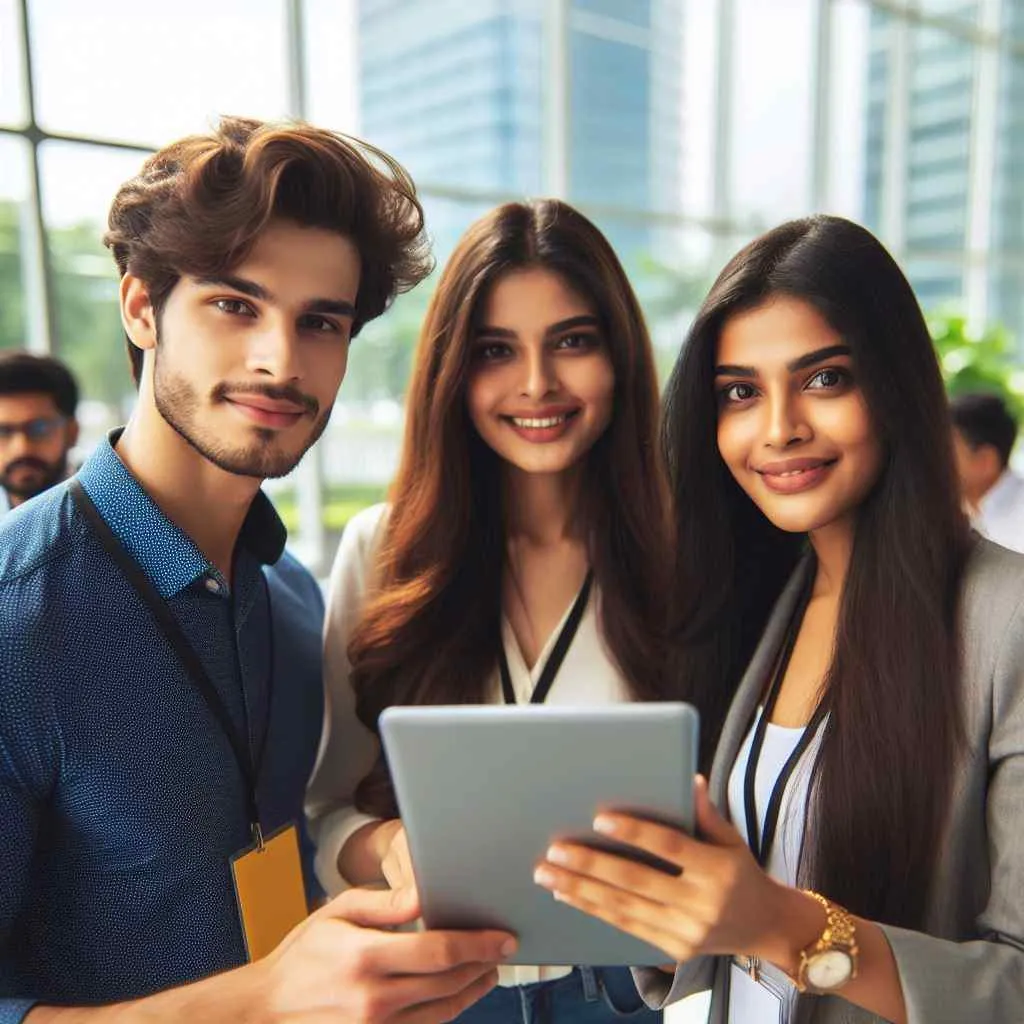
x,y
198,206
431,630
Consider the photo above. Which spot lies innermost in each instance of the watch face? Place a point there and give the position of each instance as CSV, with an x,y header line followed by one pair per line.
x,y
830,969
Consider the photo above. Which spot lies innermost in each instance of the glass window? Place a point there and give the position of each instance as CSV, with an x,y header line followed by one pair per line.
x,y
331,44
856,114
12,86
938,284
98,72
78,183
772,109
14,210
965,11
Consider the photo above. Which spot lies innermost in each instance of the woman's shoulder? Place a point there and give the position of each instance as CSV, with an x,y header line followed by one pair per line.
x,y
992,616
993,580
359,542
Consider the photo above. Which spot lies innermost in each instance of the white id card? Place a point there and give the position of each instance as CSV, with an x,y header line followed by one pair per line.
x,y
753,1002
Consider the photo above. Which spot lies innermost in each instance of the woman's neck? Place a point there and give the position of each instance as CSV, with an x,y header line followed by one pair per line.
x,y
833,547
542,508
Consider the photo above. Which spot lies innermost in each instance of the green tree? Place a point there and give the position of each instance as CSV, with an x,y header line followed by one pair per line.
x,y
978,362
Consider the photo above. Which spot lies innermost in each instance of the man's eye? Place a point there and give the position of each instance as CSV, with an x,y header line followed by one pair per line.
x,y
235,307
318,323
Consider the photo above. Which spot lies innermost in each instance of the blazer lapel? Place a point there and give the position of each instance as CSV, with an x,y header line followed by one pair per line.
x,y
751,687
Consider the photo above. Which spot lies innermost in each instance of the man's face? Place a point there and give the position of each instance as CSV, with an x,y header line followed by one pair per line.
x,y
247,365
34,442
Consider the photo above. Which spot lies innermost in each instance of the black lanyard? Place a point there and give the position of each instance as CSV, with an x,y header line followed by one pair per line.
x,y
248,765
558,652
761,843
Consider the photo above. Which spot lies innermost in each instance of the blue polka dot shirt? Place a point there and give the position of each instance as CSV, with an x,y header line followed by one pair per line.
x,y
121,801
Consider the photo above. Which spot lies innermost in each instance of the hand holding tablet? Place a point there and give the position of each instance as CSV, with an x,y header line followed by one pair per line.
x,y
485,791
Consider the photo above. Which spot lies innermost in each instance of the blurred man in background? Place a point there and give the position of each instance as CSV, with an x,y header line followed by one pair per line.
x,y
38,398
984,432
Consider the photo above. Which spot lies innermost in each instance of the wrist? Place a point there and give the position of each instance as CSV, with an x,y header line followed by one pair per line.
x,y
799,920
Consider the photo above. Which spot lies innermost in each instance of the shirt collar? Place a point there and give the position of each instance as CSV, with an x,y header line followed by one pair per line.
x,y
168,556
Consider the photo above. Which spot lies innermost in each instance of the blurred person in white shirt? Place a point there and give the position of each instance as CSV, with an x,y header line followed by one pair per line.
x,y
984,432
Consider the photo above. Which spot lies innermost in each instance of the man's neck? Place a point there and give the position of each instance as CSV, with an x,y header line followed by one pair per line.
x,y
206,502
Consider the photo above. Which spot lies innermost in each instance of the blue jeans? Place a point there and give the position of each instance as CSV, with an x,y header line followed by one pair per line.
x,y
590,995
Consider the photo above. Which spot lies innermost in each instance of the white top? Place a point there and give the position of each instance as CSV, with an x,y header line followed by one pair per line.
x,y
1001,512
779,743
348,750
750,1002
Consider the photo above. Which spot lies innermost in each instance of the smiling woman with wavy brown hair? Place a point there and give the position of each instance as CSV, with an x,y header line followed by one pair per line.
x,y
530,506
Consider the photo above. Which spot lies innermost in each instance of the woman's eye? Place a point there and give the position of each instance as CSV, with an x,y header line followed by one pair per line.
x,y
576,342
492,351
235,307
827,379
738,392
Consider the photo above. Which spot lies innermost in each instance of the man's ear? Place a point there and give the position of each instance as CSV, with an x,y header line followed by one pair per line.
x,y
72,432
137,313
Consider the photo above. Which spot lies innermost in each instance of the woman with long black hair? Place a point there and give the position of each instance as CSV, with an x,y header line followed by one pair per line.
x,y
858,659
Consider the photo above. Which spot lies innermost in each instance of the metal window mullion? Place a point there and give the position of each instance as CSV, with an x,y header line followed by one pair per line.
x,y
36,264
821,102
895,154
309,474
725,45
981,170
557,102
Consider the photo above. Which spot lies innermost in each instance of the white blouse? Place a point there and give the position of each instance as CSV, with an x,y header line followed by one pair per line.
x,y
348,750
779,743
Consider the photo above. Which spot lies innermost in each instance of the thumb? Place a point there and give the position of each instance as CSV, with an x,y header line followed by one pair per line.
x,y
375,908
711,826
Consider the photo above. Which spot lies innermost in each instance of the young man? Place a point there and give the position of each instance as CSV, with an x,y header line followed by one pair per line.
x,y
984,433
160,690
38,399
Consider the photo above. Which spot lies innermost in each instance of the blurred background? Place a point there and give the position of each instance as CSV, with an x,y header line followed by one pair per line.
x,y
682,127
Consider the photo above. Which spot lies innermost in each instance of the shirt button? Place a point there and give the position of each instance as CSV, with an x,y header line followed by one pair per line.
x,y
212,585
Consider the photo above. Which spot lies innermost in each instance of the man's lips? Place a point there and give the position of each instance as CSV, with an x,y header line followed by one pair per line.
x,y
267,412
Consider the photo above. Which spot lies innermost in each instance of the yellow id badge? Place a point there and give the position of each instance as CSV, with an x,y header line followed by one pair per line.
x,y
269,890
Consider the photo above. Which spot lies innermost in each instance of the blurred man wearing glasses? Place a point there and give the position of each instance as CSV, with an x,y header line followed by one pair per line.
x,y
38,397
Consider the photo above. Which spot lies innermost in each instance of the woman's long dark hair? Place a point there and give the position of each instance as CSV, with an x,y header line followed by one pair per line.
x,y
431,630
885,769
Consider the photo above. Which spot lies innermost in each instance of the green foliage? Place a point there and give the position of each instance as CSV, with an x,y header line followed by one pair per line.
x,y
972,362
341,503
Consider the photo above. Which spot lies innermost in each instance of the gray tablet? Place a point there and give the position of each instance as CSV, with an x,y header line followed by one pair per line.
x,y
483,790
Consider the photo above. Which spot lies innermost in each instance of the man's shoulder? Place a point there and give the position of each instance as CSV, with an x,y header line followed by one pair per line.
x,y
288,577
36,536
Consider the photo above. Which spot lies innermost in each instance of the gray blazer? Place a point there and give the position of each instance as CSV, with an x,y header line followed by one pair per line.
x,y
968,963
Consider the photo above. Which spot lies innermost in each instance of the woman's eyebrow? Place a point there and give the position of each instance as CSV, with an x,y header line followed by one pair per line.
x,y
818,356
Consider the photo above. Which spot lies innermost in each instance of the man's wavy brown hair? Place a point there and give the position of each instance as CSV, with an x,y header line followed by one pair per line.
x,y
198,206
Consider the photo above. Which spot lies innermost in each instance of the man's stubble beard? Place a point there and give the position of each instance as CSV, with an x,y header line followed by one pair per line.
x,y
178,404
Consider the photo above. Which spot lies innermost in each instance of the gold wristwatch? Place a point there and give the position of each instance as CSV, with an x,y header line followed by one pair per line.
x,y
829,962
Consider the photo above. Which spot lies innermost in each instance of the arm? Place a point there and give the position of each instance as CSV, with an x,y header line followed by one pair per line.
x,y
336,965
349,849
721,904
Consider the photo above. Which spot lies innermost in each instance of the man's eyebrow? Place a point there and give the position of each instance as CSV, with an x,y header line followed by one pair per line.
x,y
238,284
339,307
